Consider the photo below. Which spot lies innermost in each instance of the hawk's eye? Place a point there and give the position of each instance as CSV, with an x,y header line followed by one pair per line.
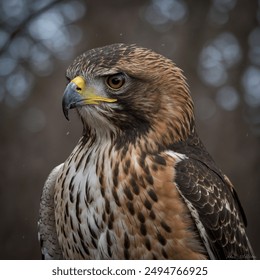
x,y
115,82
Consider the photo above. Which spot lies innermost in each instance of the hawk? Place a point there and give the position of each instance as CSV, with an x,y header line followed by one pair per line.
x,y
139,184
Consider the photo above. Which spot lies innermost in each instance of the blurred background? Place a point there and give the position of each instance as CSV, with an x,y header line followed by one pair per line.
x,y
216,43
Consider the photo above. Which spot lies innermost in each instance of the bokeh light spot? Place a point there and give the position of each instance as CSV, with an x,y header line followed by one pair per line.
x,y
227,98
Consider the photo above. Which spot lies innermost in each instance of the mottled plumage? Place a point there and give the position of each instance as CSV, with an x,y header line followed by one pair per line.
x,y
139,184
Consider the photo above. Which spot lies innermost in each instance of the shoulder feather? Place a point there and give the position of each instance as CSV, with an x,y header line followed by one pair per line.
x,y
46,225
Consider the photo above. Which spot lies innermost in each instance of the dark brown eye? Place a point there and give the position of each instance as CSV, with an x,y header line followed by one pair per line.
x,y
115,82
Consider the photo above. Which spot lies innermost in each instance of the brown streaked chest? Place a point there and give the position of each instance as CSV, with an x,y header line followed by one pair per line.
x,y
121,205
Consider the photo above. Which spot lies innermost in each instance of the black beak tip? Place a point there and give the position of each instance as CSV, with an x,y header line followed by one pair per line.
x,y
66,112
70,99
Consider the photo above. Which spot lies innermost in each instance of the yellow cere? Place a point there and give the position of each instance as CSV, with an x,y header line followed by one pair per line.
x,y
80,82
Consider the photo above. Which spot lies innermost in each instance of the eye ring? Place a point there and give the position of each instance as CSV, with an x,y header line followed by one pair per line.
x,y
115,82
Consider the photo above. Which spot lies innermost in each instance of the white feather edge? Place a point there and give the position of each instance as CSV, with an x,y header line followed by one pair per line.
x,y
177,156
194,213
201,229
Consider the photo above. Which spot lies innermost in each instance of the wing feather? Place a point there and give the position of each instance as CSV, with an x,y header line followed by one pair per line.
x,y
212,201
46,225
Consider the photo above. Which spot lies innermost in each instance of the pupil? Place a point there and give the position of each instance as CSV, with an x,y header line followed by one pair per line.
x,y
116,81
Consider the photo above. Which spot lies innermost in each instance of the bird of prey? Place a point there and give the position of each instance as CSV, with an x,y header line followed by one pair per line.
x,y
139,184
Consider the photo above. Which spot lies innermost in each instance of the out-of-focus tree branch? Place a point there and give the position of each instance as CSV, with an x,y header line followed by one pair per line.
x,y
22,26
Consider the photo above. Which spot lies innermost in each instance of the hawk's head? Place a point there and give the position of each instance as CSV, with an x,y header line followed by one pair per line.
x,y
131,93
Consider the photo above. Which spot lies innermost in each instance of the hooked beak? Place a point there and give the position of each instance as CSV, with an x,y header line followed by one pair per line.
x,y
70,99
77,94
